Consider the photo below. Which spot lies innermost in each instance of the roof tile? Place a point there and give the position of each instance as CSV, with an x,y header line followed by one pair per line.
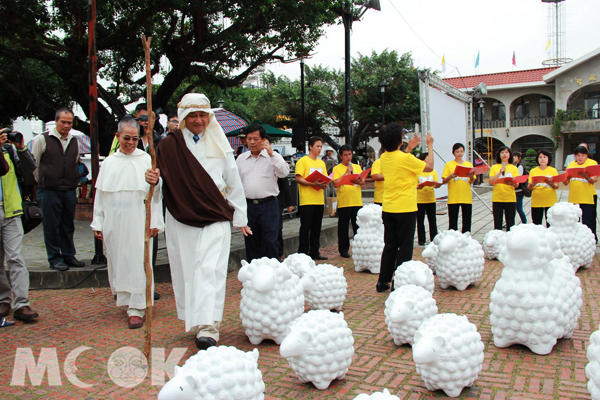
x,y
501,78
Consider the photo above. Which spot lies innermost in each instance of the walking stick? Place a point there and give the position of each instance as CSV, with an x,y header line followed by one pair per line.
x,y
148,202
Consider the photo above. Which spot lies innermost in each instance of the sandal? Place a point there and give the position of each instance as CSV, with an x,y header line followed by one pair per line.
x,y
4,322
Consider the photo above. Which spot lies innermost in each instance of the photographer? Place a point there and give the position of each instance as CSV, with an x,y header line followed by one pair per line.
x,y
11,228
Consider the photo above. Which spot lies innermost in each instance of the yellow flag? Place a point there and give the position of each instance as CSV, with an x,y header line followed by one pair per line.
x,y
548,45
443,63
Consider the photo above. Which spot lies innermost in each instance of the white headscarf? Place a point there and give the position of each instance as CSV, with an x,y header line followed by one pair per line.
x,y
217,145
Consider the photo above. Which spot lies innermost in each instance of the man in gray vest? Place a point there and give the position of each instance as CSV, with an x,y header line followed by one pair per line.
x,y
56,153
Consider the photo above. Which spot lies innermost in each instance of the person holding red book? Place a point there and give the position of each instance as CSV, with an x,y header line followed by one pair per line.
x,y
504,198
582,189
459,189
543,194
426,203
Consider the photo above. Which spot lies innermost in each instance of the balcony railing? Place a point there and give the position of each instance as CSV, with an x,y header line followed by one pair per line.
x,y
531,121
489,124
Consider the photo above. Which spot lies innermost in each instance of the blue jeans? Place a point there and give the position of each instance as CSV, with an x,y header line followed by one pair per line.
x,y
520,209
58,213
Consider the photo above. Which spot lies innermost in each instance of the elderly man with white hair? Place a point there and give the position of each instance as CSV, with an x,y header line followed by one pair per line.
x,y
203,194
119,219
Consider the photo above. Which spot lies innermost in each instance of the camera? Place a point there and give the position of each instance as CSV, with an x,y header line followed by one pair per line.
x,y
13,136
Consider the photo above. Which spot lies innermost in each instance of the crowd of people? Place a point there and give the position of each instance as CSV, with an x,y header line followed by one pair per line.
x,y
248,192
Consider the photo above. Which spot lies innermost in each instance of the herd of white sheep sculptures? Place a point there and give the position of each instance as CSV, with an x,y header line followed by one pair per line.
x,y
535,302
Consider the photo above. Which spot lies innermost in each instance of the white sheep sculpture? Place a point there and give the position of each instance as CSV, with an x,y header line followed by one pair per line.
x,y
319,347
218,373
299,263
592,369
493,242
448,353
325,287
271,298
430,253
415,273
459,261
537,298
384,395
368,241
575,239
405,310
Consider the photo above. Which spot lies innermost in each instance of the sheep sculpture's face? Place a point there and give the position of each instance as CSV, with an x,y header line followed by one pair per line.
x,y
529,246
452,240
563,213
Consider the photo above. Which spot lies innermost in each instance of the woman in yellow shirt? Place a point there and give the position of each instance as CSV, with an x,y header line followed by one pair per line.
x,y
459,190
400,171
582,189
426,203
543,195
504,199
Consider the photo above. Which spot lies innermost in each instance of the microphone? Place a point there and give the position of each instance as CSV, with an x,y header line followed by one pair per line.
x,y
504,164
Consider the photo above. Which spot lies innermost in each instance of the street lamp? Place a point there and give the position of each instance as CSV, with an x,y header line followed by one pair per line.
x,y
382,86
481,104
221,102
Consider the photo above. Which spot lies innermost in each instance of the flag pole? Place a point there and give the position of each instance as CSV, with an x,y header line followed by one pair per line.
x,y
148,202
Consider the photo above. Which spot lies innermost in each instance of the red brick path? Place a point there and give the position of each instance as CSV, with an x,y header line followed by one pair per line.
x,y
83,317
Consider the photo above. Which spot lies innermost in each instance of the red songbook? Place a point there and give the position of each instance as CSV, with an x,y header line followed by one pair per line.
x,y
509,179
317,176
427,183
539,179
464,171
347,179
560,178
592,170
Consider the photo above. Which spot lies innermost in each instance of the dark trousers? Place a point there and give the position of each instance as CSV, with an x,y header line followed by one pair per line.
x,y
263,220
311,218
520,209
587,216
398,238
58,212
429,209
595,217
537,215
280,234
506,209
467,210
346,216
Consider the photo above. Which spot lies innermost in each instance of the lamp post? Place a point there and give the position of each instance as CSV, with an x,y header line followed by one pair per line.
x,y
221,102
481,104
382,86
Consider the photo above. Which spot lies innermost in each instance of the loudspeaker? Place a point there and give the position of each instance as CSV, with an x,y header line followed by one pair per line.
x,y
298,136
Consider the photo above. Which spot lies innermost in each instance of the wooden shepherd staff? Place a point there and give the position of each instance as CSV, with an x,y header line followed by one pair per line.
x,y
148,202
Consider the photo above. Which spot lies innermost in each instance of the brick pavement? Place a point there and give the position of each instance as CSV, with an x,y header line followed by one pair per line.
x,y
88,317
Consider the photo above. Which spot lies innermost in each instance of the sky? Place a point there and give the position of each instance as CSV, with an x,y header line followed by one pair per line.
x,y
457,30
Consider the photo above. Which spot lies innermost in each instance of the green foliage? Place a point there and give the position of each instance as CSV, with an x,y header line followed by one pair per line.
x,y
207,43
564,122
529,159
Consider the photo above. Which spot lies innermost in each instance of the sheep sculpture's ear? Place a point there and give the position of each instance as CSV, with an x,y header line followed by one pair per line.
x,y
243,273
254,354
439,341
191,381
176,370
418,336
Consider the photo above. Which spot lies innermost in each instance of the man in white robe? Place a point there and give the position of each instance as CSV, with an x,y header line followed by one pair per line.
x,y
120,217
203,194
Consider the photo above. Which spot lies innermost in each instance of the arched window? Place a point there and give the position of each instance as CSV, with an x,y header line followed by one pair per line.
x,y
498,111
522,108
546,107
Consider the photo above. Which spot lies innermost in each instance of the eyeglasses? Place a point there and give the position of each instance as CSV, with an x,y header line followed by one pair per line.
x,y
129,138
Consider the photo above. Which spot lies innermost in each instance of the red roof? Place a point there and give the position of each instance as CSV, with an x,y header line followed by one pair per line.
x,y
502,78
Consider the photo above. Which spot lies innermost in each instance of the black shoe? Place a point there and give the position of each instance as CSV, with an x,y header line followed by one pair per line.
x,y
75,263
319,257
345,255
156,296
203,342
421,243
60,266
25,314
4,309
382,287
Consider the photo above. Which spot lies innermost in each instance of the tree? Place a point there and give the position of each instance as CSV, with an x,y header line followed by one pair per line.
x,y
216,43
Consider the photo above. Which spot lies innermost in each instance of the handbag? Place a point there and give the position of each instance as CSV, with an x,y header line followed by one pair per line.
x,y
32,215
526,190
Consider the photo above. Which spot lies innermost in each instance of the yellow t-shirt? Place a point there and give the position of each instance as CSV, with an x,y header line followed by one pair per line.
x,y
376,169
580,190
348,195
308,195
504,193
543,195
400,171
426,194
459,188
